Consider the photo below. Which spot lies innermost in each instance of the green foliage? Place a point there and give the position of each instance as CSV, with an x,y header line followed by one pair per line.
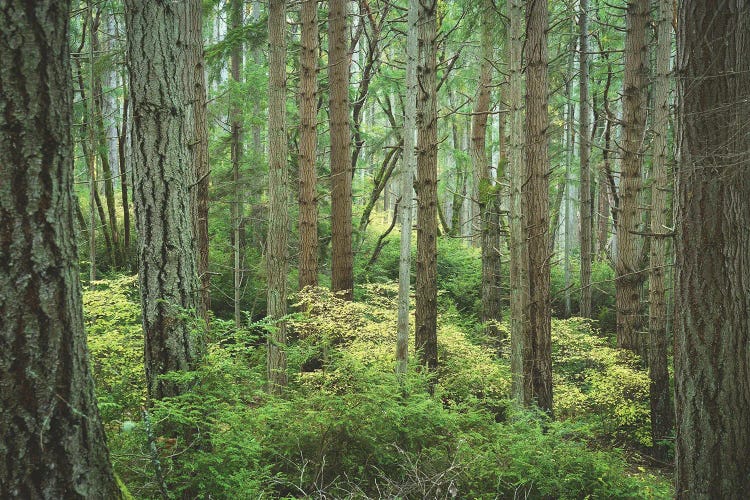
x,y
115,340
599,384
347,426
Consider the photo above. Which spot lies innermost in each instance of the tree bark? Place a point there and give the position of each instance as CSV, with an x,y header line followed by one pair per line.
x,y
519,278
161,91
584,142
487,190
629,275
235,118
342,258
200,156
662,416
535,192
308,111
407,187
51,437
277,255
712,361
426,279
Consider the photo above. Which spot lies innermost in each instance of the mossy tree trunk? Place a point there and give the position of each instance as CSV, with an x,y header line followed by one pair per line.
x,y
161,93
51,438
712,291
426,276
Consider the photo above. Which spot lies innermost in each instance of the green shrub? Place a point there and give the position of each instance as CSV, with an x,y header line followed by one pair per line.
x,y
347,426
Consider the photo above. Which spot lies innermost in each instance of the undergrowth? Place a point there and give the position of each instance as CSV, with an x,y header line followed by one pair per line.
x,y
349,427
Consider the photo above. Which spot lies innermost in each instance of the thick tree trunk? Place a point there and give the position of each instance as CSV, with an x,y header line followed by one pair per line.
x,y
161,91
342,259
519,278
426,279
712,361
662,416
535,207
200,155
628,263
51,438
308,116
277,255
586,194
407,187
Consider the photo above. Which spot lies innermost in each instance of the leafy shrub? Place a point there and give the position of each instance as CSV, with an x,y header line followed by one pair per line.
x,y
351,428
597,382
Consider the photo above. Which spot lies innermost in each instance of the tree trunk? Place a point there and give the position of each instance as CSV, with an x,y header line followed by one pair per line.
x,y
407,187
122,135
519,278
277,255
101,147
487,189
161,90
308,116
426,279
712,362
200,155
662,416
586,194
235,118
629,275
52,440
342,259
535,192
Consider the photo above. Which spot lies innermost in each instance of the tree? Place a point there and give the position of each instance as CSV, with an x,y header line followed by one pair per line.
x,y
277,255
628,267
425,315
200,154
519,281
487,190
586,194
51,436
712,388
407,182
235,119
308,116
662,416
342,259
535,208
161,93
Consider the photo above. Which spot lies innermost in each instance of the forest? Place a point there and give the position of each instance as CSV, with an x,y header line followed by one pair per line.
x,y
404,249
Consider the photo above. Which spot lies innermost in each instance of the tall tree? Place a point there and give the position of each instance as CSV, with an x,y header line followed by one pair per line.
x,y
407,186
200,153
425,315
308,116
51,436
535,192
278,187
342,259
487,194
235,124
712,387
584,145
519,278
628,267
662,416
161,92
